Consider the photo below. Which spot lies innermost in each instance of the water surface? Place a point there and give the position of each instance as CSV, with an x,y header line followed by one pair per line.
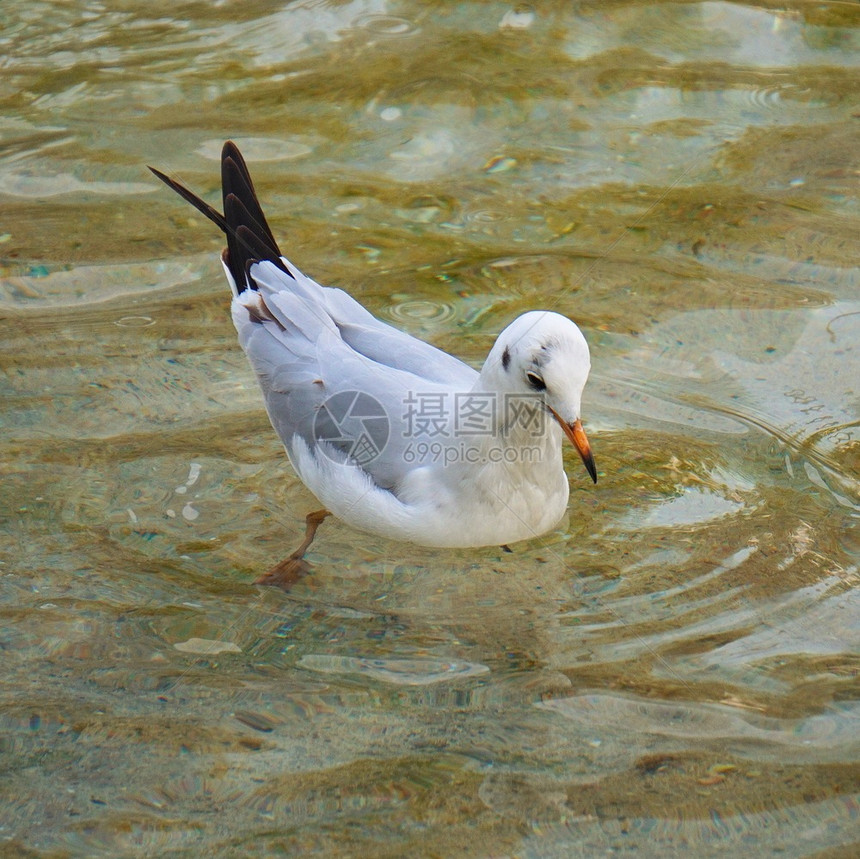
x,y
672,671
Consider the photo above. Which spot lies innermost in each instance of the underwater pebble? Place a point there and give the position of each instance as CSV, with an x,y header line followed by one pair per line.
x,y
500,164
207,646
257,721
520,18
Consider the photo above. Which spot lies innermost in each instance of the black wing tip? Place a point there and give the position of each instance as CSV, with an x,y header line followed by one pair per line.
x,y
189,196
249,237
231,150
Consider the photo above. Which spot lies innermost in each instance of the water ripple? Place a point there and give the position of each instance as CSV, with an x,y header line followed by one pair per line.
x,y
424,312
401,672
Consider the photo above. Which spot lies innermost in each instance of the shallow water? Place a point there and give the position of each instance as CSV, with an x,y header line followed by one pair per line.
x,y
673,671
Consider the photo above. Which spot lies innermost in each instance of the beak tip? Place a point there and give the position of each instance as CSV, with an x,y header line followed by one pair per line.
x,y
577,436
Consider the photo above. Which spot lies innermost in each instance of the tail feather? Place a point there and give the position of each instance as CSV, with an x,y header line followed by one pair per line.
x,y
236,180
249,237
201,205
254,248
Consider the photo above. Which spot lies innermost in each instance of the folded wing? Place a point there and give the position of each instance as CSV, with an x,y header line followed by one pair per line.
x,y
307,342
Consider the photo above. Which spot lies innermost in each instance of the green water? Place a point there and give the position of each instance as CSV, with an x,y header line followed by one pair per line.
x,y
673,672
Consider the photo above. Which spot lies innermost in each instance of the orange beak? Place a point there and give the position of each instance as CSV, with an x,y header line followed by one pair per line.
x,y
579,439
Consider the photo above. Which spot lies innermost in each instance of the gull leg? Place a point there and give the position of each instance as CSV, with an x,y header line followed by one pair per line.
x,y
290,570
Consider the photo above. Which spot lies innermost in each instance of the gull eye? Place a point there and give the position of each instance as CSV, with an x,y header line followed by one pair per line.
x,y
535,381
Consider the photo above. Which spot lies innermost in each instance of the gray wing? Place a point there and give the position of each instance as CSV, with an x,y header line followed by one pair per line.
x,y
361,330
309,343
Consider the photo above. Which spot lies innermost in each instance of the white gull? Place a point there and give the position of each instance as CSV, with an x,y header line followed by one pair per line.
x,y
391,434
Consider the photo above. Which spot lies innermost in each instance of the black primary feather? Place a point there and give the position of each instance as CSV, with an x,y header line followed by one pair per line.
x,y
249,237
203,207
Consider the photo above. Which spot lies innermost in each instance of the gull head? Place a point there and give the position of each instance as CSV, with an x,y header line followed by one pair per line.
x,y
543,356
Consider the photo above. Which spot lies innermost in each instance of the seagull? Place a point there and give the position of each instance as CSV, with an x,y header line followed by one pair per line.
x,y
392,435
